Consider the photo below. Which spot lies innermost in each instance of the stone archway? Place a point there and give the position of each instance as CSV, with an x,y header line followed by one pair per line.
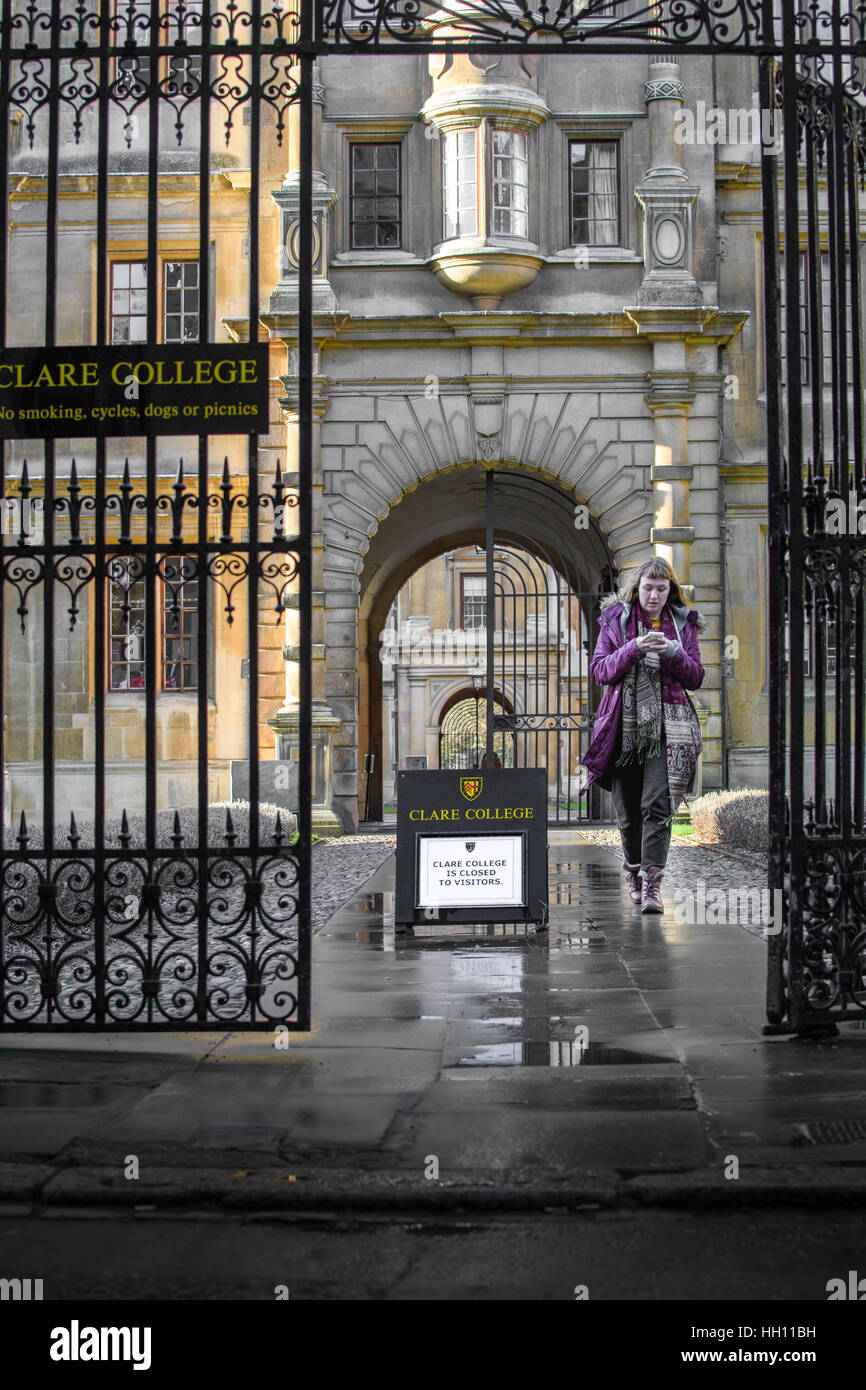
x,y
444,512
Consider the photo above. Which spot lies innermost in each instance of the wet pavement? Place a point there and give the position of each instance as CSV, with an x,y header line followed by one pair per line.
x,y
616,1056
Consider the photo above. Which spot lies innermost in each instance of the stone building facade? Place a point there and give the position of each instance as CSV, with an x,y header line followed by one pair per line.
x,y
521,265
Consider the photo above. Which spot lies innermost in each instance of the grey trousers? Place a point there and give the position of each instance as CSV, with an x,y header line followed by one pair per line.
x,y
642,799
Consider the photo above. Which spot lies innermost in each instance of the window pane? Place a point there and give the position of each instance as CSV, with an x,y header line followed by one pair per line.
x,y
363,156
386,156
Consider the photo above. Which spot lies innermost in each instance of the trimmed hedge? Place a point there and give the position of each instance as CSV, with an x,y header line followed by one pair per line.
x,y
740,818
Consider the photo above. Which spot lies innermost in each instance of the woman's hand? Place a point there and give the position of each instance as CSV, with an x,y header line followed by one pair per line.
x,y
651,642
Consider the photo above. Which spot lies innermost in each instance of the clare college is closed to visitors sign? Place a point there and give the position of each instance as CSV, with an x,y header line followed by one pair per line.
x,y
456,872
471,846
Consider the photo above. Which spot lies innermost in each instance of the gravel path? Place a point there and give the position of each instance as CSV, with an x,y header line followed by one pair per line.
x,y
339,868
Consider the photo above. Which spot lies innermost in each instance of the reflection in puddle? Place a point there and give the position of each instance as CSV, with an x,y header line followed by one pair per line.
x,y
549,1053
506,970
48,1095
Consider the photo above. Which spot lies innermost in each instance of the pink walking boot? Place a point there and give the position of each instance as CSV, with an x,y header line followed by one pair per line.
x,y
652,896
632,881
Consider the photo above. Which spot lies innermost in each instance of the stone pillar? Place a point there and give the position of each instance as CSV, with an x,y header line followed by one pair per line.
x,y
666,198
669,401
417,714
669,311
401,685
335,771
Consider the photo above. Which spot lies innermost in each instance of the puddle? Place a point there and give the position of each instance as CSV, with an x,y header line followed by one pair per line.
x,y
550,1053
38,1095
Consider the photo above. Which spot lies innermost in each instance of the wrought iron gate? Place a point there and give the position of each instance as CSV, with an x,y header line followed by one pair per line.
x,y
127,915
122,71
817,487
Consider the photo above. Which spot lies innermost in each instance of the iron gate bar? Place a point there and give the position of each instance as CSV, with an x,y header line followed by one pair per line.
x,y
201,554
794,464
777,550
490,607
305,405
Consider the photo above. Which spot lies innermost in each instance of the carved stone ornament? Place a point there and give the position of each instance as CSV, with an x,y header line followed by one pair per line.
x,y
664,89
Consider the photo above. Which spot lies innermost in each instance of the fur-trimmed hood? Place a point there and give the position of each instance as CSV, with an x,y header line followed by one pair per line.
x,y
681,611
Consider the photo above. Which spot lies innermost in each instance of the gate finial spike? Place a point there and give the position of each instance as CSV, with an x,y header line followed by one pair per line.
x,y
73,836
279,833
230,832
124,837
177,833
23,833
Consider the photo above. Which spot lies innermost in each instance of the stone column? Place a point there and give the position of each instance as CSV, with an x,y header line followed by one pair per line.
x,y
669,401
401,686
282,323
666,198
668,311
417,714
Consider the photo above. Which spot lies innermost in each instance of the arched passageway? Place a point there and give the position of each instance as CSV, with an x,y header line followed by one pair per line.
x,y
423,632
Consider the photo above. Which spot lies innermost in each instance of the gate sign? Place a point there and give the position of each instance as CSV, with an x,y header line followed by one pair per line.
x,y
134,389
483,872
471,847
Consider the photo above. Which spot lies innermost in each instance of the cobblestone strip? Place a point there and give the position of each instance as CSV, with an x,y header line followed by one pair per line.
x,y
339,869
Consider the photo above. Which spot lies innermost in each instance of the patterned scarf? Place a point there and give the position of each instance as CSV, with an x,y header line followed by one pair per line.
x,y
648,711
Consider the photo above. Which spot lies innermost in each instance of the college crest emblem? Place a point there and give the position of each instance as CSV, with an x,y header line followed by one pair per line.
x,y
470,845
470,787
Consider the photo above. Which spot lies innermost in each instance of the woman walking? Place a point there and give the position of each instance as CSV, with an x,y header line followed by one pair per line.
x,y
646,737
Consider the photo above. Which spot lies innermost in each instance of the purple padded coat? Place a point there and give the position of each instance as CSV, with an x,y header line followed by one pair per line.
x,y
613,659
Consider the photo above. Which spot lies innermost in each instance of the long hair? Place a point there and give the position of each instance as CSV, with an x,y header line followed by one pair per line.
x,y
655,568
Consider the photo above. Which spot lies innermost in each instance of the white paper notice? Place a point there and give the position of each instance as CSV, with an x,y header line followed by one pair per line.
x,y
470,871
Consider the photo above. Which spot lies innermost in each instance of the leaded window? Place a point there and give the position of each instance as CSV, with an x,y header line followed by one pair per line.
x,y
460,183
510,184
375,212
180,301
